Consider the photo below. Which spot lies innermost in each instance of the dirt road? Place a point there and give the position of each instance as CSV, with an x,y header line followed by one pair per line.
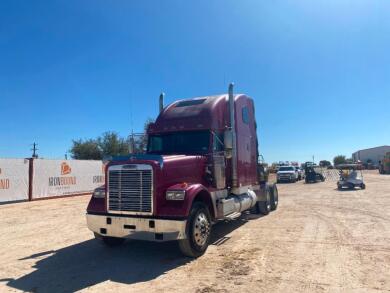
x,y
319,240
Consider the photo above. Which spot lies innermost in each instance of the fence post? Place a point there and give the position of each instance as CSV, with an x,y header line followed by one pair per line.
x,y
30,178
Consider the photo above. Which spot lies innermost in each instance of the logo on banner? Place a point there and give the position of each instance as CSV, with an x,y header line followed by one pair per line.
x,y
63,180
65,169
99,178
4,182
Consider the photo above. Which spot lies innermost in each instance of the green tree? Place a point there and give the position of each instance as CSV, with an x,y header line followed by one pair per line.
x,y
139,142
325,163
86,150
111,144
340,159
108,144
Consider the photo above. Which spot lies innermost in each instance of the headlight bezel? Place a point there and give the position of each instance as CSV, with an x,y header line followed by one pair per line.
x,y
99,193
175,195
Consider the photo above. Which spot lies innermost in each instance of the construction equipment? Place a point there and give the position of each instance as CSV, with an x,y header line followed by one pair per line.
x,y
311,175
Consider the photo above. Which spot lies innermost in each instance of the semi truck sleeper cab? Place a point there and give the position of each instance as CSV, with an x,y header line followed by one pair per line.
x,y
201,166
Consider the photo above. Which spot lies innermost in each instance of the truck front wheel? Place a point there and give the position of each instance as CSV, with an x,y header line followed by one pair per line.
x,y
198,231
110,241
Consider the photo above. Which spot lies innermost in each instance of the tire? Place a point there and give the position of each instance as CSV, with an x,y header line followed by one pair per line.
x,y
198,231
339,187
274,197
110,241
306,180
363,186
264,207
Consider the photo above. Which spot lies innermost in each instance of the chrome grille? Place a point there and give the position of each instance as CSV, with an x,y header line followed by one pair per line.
x,y
130,189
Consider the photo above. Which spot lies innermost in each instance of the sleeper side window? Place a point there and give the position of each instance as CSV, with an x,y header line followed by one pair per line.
x,y
245,115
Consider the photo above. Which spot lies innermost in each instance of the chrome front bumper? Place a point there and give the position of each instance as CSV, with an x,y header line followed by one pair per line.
x,y
137,228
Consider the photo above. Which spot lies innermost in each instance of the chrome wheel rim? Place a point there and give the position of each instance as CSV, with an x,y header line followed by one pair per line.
x,y
201,229
268,201
276,197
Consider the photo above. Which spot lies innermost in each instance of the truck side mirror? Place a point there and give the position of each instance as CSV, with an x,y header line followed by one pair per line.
x,y
228,143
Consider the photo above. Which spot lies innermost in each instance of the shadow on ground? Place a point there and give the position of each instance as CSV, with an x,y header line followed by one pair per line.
x,y
85,264
347,189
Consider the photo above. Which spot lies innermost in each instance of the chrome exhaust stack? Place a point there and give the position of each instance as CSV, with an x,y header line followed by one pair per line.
x,y
233,135
161,102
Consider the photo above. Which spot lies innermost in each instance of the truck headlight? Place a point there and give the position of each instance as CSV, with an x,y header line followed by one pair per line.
x,y
99,193
175,194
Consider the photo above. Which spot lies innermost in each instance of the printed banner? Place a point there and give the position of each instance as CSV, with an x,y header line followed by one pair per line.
x,y
13,179
68,177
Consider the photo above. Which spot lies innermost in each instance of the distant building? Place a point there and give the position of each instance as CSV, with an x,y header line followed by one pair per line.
x,y
373,155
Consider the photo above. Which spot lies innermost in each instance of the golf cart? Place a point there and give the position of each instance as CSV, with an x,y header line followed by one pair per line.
x,y
350,176
311,175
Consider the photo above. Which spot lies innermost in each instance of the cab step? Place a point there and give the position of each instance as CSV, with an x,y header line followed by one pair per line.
x,y
232,216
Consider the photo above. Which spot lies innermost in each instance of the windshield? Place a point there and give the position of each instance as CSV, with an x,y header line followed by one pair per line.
x,y
186,142
286,169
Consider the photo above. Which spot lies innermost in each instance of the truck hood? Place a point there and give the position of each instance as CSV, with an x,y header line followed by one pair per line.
x,y
183,168
169,169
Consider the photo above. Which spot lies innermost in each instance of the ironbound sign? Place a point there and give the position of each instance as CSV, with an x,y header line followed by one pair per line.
x,y
14,182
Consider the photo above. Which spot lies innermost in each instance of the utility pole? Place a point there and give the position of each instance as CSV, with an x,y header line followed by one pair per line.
x,y
34,150
313,159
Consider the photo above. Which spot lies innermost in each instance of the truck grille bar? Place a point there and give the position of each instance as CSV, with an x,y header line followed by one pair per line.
x,y
130,189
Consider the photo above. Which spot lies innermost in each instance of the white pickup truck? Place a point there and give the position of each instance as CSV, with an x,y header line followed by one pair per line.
x,y
287,174
301,173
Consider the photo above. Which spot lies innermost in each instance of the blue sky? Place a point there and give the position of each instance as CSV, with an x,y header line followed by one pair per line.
x,y
319,71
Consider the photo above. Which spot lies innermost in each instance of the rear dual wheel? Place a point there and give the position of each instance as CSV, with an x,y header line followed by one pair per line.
x,y
274,197
271,202
264,207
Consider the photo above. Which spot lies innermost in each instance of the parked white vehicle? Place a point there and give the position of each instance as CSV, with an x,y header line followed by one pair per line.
x,y
287,173
301,173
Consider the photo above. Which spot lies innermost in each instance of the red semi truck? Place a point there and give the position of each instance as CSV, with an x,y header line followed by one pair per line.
x,y
201,166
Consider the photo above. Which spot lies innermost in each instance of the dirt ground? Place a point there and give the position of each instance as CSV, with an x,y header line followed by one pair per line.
x,y
319,240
